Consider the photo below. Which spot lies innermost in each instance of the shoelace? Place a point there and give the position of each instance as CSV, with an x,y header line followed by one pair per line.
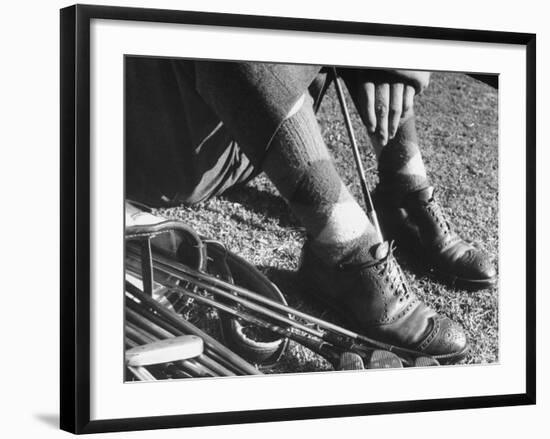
x,y
434,209
390,272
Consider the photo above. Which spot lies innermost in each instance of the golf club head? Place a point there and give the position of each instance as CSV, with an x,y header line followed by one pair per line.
x,y
381,359
425,362
350,361
179,348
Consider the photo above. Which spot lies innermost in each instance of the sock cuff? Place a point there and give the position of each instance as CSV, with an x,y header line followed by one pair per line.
x,y
400,167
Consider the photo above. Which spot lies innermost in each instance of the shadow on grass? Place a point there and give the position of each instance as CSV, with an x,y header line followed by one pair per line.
x,y
410,260
298,295
288,282
263,203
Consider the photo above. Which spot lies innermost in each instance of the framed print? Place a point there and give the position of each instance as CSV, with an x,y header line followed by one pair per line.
x,y
269,218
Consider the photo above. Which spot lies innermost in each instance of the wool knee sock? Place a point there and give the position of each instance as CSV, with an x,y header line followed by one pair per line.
x,y
400,166
301,168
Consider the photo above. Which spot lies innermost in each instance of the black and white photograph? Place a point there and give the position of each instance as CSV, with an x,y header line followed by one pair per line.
x,y
296,218
275,219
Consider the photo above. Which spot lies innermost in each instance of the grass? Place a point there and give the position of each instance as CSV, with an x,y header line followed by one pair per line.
x,y
458,129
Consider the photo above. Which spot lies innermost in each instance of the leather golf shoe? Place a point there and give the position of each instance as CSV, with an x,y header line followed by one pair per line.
x,y
376,300
422,225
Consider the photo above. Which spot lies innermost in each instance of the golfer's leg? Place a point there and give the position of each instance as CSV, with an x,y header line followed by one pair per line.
x,y
400,166
403,184
366,285
300,166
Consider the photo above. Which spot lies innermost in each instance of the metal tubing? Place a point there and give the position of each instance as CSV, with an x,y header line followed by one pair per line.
x,y
211,283
224,361
186,327
196,368
147,266
213,365
155,319
130,343
319,345
141,373
160,334
137,335
154,329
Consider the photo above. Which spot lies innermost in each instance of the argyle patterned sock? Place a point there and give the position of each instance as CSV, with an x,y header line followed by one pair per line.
x,y
300,166
400,166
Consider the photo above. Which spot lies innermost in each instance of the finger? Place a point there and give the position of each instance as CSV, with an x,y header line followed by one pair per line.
x,y
369,104
408,100
396,108
381,107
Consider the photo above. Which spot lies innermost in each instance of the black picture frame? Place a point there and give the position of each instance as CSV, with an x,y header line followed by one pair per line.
x,y
75,217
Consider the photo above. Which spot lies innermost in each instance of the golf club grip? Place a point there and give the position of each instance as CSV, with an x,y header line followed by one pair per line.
x,y
165,350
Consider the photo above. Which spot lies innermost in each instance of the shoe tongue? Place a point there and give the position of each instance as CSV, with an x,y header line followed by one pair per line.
x,y
380,251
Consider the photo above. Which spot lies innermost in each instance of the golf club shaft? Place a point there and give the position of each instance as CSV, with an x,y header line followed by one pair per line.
x,y
371,212
317,344
187,365
130,343
213,365
163,324
137,334
141,373
186,327
281,318
154,330
224,361
316,340
213,285
195,369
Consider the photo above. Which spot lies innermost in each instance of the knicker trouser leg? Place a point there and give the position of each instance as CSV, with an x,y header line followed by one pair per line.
x,y
186,122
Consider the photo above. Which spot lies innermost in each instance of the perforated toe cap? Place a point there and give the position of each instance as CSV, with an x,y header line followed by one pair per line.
x,y
446,339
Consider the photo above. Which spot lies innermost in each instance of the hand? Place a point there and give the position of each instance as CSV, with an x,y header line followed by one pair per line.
x,y
381,106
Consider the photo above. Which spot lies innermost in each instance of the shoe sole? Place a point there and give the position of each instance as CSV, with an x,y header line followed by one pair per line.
x,y
463,282
446,359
